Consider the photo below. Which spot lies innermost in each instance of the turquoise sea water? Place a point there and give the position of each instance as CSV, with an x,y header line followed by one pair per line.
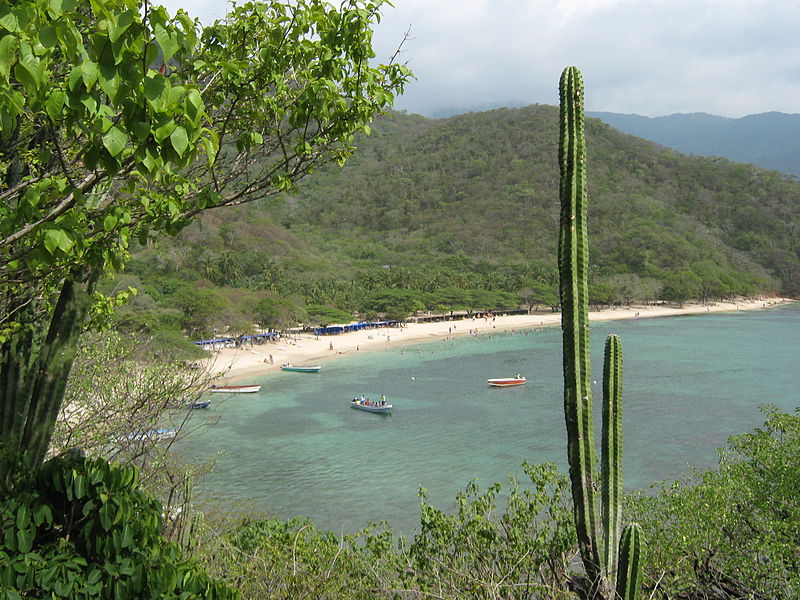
x,y
298,448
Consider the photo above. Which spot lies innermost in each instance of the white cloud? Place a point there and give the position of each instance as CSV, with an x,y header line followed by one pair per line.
x,y
652,57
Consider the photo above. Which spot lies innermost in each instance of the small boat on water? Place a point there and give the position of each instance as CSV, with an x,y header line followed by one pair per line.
x,y
299,369
154,434
371,406
200,404
507,381
235,389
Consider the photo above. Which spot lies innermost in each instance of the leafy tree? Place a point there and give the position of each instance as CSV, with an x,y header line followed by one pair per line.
x,y
732,532
278,313
680,287
394,303
326,315
541,293
118,121
201,307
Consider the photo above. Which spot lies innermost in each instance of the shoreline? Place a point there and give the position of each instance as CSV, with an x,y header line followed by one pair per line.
x,y
237,364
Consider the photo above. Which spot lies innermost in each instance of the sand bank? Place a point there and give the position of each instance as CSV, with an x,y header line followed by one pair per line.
x,y
239,364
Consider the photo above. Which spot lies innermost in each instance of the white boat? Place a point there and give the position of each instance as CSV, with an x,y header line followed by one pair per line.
x,y
298,369
155,434
370,406
235,389
507,381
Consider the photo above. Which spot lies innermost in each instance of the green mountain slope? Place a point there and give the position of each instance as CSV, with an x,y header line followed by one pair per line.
x,y
485,185
428,207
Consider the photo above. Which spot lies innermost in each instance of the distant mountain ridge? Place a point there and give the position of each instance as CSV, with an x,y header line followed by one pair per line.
x,y
769,140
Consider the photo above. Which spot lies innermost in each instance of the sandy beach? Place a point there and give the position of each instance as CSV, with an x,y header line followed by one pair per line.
x,y
239,364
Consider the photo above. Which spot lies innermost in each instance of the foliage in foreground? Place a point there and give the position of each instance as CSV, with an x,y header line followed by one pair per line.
x,y
733,532
478,552
117,394
81,528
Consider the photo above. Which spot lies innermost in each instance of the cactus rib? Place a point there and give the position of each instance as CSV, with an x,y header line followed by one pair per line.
x,y
631,556
611,460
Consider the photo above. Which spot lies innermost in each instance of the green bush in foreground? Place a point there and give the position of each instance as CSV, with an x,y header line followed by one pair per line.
x,y
733,532
79,529
477,552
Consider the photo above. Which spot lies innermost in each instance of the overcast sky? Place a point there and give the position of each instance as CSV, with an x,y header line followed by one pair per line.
x,y
651,57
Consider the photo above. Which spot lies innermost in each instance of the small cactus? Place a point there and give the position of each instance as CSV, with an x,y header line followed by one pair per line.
x,y
612,563
629,575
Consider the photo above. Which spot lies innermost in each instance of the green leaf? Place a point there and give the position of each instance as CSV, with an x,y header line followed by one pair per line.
x,y
168,42
109,222
156,89
105,516
48,37
127,535
180,140
194,106
90,72
151,53
55,239
13,595
54,104
8,19
211,150
51,240
23,517
24,540
115,140
124,21
90,103
28,72
164,131
10,540
80,486
141,129
8,54
109,81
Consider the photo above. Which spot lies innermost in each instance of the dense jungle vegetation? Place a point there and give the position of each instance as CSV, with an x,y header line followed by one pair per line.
x,y
460,213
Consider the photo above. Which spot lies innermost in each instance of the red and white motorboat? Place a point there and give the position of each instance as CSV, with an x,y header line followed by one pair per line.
x,y
507,381
235,389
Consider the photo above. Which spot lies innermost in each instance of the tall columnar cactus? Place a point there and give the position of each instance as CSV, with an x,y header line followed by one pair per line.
x,y
597,502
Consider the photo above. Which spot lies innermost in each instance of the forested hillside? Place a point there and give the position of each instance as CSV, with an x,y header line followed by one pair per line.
x,y
436,213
